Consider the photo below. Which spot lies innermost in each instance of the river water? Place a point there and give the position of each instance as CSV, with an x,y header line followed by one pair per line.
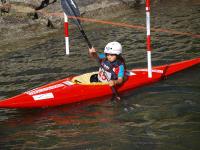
x,y
165,115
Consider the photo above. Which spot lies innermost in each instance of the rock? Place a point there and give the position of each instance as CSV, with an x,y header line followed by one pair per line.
x,y
133,3
5,7
1,20
97,5
34,3
23,10
101,7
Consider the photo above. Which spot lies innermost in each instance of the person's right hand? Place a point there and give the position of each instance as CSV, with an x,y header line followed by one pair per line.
x,y
92,50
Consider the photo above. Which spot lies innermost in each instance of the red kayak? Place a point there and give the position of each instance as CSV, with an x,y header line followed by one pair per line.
x,y
78,88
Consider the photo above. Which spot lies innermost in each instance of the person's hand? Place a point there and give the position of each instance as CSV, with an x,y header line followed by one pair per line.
x,y
93,53
112,83
92,50
115,82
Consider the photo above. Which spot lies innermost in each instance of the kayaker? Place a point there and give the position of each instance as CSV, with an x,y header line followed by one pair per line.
x,y
112,67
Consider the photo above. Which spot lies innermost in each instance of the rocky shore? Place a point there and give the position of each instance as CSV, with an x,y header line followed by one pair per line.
x,y
43,11
22,19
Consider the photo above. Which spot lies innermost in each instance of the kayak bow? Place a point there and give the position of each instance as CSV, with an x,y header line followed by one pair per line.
x,y
78,88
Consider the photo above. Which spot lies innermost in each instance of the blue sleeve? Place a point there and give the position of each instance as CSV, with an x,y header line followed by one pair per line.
x,y
121,71
102,56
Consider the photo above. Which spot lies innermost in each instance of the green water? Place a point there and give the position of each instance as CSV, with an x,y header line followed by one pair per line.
x,y
161,116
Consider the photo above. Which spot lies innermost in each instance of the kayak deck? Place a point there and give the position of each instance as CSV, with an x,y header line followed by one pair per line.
x,y
78,88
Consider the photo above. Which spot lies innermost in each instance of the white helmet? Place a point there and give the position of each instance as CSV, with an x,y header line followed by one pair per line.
x,y
113,48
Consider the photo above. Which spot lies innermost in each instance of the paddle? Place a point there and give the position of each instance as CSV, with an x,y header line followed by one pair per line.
x,y
71,9
163,76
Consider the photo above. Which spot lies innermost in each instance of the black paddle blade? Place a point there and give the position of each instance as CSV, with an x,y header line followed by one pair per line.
x,y
115,93
71,9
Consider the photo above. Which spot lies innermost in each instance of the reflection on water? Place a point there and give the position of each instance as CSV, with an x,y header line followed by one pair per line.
x,y
161,116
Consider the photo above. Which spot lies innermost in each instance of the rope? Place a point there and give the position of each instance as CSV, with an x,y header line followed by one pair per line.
x,y
117,24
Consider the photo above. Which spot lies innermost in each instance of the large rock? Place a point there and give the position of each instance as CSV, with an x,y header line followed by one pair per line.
x,y
105,8
33,3
91,5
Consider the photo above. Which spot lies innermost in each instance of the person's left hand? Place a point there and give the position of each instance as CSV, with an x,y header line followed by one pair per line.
x,y
112,83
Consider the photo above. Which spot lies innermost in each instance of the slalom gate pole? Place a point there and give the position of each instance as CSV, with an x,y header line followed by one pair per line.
x,y
148,38
66,28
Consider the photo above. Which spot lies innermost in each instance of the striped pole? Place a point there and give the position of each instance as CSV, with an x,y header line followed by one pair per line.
x,y
66,28
148,38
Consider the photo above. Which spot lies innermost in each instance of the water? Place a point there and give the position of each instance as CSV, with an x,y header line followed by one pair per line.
x,y
164,115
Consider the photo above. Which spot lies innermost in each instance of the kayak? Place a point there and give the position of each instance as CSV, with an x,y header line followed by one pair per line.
x,y
78,88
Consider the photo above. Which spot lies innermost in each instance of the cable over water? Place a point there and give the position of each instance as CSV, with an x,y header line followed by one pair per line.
x,y
119,24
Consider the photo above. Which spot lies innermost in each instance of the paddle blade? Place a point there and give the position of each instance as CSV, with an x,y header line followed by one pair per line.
x,y
116,94
71,9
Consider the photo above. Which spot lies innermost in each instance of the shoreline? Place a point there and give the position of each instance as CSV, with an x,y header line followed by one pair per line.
x,y
24,22
29,13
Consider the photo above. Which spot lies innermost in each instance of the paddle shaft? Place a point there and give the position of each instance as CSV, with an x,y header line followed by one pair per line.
x,y
86,38
163,76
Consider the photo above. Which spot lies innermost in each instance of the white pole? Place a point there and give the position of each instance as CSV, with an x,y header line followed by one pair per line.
x,y
148,39
66,28
149,64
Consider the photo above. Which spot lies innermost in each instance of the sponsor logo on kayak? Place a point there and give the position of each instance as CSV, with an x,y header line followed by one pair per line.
x,y
43,96
154,70
36,91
